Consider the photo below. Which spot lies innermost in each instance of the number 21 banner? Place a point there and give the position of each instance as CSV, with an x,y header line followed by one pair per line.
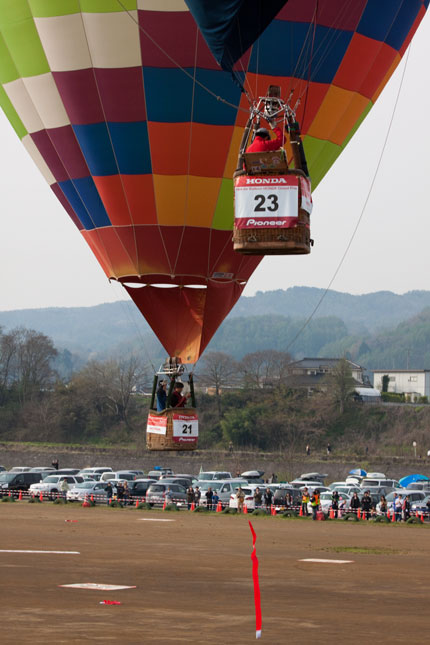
x,y
266,202
185,428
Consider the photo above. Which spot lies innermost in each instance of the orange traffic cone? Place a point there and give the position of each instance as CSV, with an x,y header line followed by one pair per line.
x,y
301,511
219,507
193,506
272,510
164,505
20,495
388,514
10,494
422,517
245,509
41,497
331,514
393,516
86,503
137,503
92,497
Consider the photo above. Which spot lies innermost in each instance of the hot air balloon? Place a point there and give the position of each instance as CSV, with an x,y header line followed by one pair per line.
x,y
133,110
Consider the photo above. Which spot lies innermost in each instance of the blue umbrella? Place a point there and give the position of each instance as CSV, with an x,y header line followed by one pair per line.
x,y
409,479
358,471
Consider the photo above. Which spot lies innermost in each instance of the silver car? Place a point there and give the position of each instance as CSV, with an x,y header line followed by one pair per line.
x,y
84,490
156,494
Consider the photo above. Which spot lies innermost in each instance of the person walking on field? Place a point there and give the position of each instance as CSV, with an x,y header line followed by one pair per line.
x,y
240,496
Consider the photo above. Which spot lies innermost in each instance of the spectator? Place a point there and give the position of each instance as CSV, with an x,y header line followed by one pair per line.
x,y
305,501
381,506
308,450
168,496
109,493
273,479
120,492
355,503
328,450
366,504
406,508
257,498
230,446
335,502
397,506
215,500
190,497
64,488
240,496
268,495
197,495
126,493
55,464
315,502
209,498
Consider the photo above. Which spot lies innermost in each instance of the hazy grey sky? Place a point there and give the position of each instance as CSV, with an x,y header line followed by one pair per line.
x,y
45,262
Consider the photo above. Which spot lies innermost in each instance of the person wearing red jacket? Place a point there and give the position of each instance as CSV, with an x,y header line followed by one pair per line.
x,y
263,142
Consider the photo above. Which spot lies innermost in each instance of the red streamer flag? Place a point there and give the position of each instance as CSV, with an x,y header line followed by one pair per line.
x,y
257,599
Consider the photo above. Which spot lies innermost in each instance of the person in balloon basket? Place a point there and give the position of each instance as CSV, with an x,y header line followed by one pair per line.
x,y
178,400
263,143
161,396
315,503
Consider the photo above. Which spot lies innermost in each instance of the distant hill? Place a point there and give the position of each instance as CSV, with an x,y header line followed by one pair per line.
x,y
380,329
371,310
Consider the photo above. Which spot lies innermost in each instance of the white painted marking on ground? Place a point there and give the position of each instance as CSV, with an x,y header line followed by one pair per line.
x,y
153,519
28,551
325,561
97,587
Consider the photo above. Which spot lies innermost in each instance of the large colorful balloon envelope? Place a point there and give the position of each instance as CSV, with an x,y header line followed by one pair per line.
x,y
133,110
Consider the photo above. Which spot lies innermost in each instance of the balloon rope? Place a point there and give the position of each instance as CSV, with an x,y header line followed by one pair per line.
x,y
308,320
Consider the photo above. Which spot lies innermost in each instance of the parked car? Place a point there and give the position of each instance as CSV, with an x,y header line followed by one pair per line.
x,y
421,485
159,472
67,471
414,495
42,469
17,481
51,486
156,494
213,474
20,469
422,505
325,502
139,488
185,482
2,469
78,492
119,474
279,497
380,482
253,476
249,490
348,490
224,489
95,469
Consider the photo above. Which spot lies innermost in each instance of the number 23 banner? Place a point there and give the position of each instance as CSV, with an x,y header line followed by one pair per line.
x,y
266,202
185,428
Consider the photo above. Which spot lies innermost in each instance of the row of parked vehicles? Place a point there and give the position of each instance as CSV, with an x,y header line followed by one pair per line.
x,y
161,483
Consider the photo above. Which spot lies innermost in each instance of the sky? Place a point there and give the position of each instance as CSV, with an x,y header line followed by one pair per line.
x,y
44,262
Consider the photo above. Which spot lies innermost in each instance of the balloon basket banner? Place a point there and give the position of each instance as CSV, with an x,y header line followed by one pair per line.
x,y
179,426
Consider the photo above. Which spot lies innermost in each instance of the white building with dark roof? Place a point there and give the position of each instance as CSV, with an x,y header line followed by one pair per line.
x,y
415,383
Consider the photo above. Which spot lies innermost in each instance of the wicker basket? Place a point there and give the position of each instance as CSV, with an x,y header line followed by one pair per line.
x,y
275,241
166,441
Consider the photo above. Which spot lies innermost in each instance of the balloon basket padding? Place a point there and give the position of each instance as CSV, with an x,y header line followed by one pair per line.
x,y
294,241
272,162
166,442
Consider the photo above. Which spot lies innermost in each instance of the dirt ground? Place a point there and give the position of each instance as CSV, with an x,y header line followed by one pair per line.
x,y
193,578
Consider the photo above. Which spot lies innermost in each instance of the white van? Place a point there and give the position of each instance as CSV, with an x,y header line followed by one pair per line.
x,y
368,482
120,474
